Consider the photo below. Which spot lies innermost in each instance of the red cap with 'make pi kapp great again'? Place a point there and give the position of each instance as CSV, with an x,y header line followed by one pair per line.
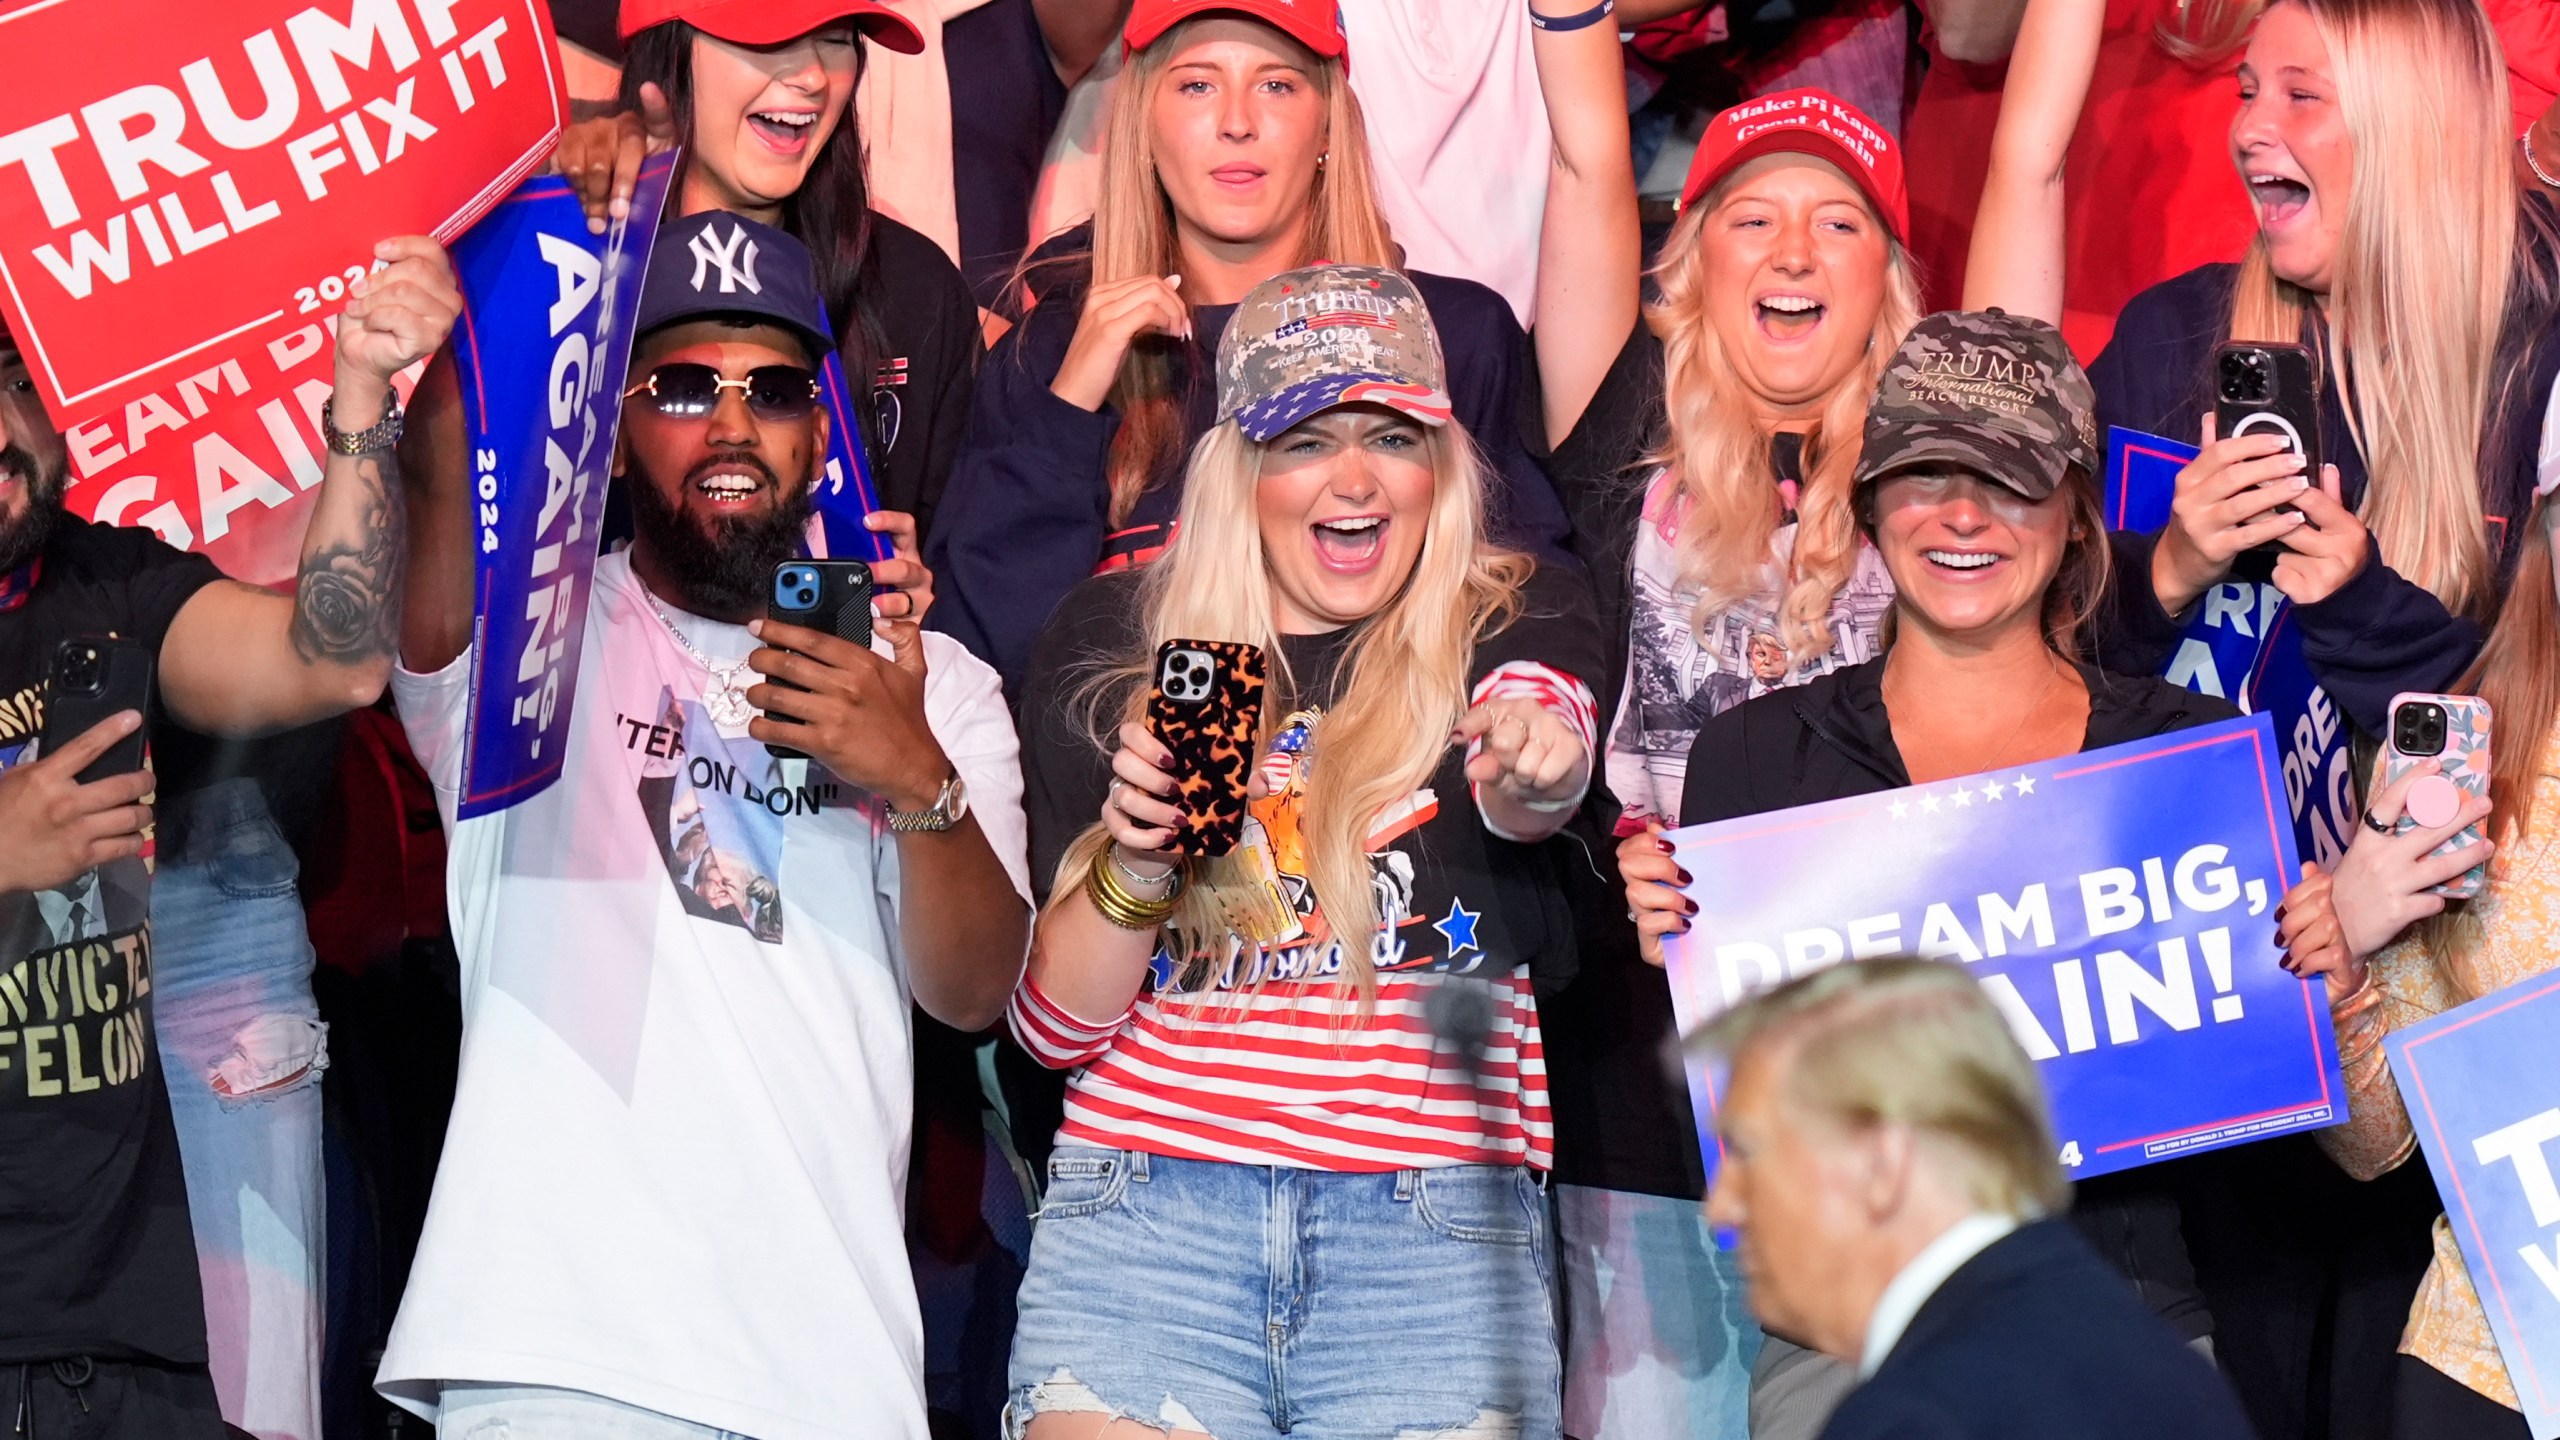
x,y
774,22
1316,24
1808,122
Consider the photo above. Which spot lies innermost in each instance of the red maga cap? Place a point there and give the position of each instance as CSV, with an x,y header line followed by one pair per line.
x,y
773,22
1808,122
1316,24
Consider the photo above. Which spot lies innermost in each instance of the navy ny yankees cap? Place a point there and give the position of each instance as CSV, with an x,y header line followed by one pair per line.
x,y
714,263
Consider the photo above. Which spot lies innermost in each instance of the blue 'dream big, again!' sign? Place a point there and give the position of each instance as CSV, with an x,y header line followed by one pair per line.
x,y
540,351
2118,906
2483,1095
2241,645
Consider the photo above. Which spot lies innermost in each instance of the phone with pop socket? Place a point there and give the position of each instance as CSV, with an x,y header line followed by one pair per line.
x,y
2452,730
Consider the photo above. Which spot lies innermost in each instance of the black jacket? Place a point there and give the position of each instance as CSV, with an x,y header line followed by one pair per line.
x,y
2033,1339
1829,738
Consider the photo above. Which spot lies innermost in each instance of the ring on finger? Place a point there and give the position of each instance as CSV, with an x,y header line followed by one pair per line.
x,y
2375,825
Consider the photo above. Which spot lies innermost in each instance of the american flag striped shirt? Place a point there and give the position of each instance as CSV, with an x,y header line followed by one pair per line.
x,y
1292,1073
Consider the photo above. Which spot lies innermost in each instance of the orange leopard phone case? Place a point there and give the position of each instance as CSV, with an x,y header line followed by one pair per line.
x,y
1207,709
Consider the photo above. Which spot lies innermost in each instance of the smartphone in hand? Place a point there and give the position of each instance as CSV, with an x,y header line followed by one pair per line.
x,y
1207,709
833,596
90,679
2452,730
2269,389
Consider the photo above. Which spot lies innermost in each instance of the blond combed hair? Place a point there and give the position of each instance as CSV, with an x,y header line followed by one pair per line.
x,y
2201,32
1913,1043
1133,235
1716,451
2423,272
1402,689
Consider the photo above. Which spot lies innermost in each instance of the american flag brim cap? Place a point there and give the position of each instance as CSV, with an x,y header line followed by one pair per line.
x,y
1274,414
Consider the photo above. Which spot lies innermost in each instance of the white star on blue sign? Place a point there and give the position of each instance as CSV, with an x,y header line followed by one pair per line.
x,y
1458,928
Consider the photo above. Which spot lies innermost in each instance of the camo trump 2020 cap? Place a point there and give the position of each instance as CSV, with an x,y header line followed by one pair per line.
x,y
1983,391
1308,340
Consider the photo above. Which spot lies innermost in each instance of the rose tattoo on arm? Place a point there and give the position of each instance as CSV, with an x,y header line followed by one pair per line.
x,y
346,600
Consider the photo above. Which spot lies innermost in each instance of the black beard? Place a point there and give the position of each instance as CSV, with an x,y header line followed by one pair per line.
x,y
723,569
27,534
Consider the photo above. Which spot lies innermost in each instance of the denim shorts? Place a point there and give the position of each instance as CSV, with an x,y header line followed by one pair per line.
x,y
1250,1301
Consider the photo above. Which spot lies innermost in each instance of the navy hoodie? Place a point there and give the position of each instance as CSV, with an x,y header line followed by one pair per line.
x,y
2381,633
1027,514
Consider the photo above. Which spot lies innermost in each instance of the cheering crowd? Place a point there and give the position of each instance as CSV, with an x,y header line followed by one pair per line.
x,y
1529,520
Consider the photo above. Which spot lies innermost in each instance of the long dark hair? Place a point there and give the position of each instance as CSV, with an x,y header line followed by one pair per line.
x,y
830,212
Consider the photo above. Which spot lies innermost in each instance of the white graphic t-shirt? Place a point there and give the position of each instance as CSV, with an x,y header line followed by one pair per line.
x,y
676,1170
1680,675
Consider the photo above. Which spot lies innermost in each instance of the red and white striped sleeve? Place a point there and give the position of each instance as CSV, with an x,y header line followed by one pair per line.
x,y
1559,694
1556,692
1054,1037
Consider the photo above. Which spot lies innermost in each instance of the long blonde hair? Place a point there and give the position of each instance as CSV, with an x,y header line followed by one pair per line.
x,y
1403,687
2422,276
1133,235
1717,454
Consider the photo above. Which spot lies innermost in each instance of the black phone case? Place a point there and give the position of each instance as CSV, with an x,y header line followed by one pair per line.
x,y
125,683
2293,411
1206,706
843,610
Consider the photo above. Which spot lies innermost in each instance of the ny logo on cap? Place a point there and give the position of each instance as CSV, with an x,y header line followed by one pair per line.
x,y
735,269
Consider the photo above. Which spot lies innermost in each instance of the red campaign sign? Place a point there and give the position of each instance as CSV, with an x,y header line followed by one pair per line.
x,y
225,461
185,184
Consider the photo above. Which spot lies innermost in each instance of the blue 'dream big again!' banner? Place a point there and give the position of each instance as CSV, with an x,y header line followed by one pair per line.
x,y
541,349
2118,906
2242,646
2483,1095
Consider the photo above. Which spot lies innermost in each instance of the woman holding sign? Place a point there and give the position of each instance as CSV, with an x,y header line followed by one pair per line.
x,y
1987,519
1296,1186
2393,955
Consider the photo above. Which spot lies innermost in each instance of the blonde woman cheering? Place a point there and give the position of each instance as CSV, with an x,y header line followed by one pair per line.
x,y
1308,1092
1236,150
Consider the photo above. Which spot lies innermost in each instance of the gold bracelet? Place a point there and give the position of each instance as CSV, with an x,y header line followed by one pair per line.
x,y
1124,909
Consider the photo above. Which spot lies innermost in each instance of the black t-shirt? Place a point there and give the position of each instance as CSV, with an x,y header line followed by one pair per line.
x,y
1006,99
96,1254
1461,898
921,383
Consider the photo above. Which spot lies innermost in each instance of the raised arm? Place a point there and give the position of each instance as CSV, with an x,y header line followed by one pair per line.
x,y
1590,245
241,661
2016,258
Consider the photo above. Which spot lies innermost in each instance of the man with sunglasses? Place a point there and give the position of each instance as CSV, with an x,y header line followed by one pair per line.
x,y
672,1191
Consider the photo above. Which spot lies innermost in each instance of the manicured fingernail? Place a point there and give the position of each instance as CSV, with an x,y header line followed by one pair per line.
x,y
1685,880
1689,907
756,628
1661,844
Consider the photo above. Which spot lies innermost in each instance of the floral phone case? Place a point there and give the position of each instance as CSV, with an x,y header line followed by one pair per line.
x,y
2465,761
1207,709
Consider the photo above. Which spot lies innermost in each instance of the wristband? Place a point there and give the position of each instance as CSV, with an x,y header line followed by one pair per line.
x,y
1560,24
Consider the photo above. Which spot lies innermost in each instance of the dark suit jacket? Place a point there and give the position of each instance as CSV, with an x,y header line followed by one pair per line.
x,y
2036,1339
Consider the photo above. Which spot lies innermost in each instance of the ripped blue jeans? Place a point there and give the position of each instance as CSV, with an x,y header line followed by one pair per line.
x,y
242,1047
1254,1301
